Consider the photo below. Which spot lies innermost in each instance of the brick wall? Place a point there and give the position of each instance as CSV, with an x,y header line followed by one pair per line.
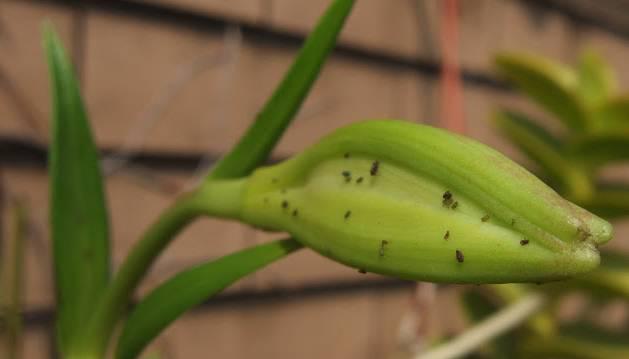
x,y
205,67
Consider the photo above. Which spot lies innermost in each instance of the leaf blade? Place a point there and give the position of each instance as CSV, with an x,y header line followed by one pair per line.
x,y
78,215
597,80
269,125
189,288
549,84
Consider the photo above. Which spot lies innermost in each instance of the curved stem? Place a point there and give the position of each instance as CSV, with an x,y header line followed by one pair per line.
x,y
215,198
499,323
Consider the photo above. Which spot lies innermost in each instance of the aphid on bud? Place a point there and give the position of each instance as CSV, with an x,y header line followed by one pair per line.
x,y
347,214
383,244
346,174
346,155
362,271
447,195
374,168
295,213
284,204
485,218
455,205
447,235
524,242
447,199
459,256
359,180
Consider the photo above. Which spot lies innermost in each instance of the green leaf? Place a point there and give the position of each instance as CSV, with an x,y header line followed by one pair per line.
x,y
260,139
551,85
577,347
597,81
190,288
612,116
611,200
78,217
545,150
601,149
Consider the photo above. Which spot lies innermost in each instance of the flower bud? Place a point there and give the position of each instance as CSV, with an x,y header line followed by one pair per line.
x,y
420,203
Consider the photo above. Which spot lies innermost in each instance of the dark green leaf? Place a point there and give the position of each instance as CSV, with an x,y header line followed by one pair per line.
x,y
544,149
609,201
78,217
601,149
596,79
258,142
565,346
549,84
190,288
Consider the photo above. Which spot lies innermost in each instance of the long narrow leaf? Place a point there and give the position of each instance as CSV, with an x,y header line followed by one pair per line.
x,y
544,149
78,217
602,149
612,115
549,84
597,81
260,139
190,288
610,201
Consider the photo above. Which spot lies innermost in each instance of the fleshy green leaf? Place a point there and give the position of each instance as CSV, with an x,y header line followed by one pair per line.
x,y
551,85
602,149
545,150
78,217
597,80
190,288
258,142
612,116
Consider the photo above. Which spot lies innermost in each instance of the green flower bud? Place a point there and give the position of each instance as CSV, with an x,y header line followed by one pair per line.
x,y
420,203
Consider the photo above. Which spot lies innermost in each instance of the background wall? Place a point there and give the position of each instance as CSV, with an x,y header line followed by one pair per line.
x,y
176,82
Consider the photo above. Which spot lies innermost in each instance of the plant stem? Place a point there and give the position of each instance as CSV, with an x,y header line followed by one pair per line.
x,y
216,198
497,324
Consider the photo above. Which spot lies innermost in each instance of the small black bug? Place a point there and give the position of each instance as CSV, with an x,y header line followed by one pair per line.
x,y
362,271
347,214
374,168
346,174
295,213
346,155
485,218
455,205
284,204
447,235
359,180
524,242
459,256
383,244
447,195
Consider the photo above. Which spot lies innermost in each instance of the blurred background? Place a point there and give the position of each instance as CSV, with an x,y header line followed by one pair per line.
x,y
171,84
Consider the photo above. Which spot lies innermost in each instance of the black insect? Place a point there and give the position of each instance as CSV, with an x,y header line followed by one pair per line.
x,y
447,199
346,155
383,244
346,174
447,235
374,168
347,214
455,205
524,242
459,256
295,213
359,180
485,218
362,271
284,204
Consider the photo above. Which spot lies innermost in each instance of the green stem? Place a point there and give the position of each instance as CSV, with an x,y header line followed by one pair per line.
x,y
213,198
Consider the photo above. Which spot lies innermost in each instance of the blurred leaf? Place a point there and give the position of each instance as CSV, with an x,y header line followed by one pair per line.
x,y
545,150
597,81
78,216
260,139
575,347
550,84
611,200
478,306
601,149
190,288
612,116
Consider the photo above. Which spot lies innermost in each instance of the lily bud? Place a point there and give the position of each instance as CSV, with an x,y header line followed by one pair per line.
x,y
420,203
